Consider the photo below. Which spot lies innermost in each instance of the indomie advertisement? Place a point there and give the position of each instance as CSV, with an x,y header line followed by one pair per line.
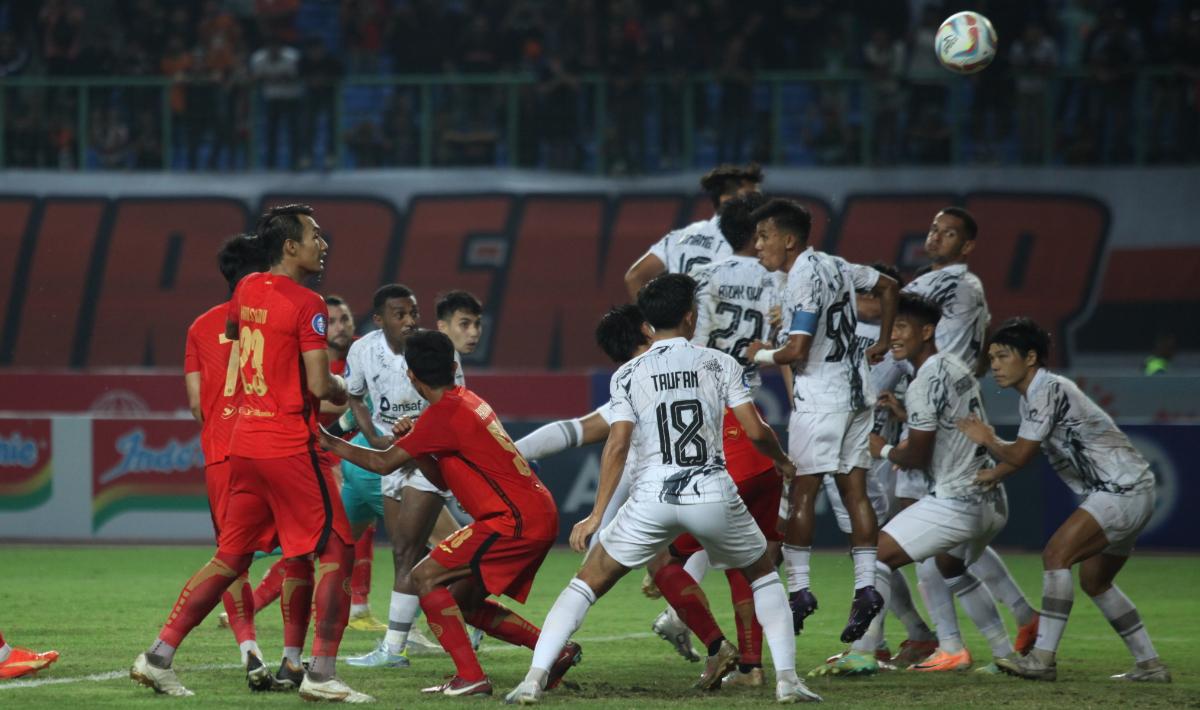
x,y
26,470
146,466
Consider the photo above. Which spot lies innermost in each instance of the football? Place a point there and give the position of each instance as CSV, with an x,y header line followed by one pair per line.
x,y
966,43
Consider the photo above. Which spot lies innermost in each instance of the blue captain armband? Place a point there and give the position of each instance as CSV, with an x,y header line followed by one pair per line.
x,y
804,322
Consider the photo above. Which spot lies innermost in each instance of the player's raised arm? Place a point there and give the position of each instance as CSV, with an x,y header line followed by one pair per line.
x,y
887,290
381,461
641,272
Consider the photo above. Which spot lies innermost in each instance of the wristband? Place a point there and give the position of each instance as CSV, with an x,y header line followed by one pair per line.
x,y
765,357
883,453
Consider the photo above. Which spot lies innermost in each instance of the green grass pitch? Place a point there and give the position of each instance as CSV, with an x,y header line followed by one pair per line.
x,y
101,606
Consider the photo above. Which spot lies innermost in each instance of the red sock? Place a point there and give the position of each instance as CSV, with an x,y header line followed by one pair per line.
x,y
296,599
269,588
749,631
498,621
332,598
360,579
239,605
446,623
201,594
687,598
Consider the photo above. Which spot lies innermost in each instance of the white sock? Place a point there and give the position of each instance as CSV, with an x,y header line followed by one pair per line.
x,y
874,634
940,603
697,565
564,619
1058,594
990,570
773,614
402,611
5,650
292,654
359,610
551,439
248,647
864,566
795,561
901,604
1127,622
981,608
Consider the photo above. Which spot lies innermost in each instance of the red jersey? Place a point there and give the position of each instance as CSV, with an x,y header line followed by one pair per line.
x,y
278,320
214,356
742,459
496,485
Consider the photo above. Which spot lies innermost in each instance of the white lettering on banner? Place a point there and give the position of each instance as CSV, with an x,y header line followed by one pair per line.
x,y
583,490
137,457
16,450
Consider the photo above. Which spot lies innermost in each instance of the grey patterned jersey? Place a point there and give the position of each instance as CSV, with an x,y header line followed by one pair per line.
x,y
820,301
965,318
1082,442
943,391
734,298
675,394
687,249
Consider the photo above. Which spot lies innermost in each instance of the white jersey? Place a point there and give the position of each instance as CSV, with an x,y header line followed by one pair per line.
x,y
380,375
965,318
675,394
734,298
820,301
1082,442
885,425
944,391
687,249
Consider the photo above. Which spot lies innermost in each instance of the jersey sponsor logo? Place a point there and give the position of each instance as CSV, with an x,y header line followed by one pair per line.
x,y
25,466
228,411
318,324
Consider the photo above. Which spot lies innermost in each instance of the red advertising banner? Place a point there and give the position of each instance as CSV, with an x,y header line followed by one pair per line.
x,y
145,465
26,473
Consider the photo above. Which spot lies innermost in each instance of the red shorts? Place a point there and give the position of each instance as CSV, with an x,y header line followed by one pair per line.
x,y
761,495
506,564
293,496
216,482
741,458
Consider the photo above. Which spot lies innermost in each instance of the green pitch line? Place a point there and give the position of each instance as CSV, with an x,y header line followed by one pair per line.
x,y
101,606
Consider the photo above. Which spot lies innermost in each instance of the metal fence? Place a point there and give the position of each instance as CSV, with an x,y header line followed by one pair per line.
x,y
602,124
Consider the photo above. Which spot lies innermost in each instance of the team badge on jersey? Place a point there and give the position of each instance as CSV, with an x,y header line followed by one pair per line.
x,y
318,324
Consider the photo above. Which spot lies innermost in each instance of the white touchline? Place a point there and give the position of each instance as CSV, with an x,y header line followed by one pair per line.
x,y
115,675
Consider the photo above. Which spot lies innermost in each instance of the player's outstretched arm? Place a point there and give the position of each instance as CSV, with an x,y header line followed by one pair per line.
x,y
381,462
562,435
612,465
888,292
914,452
763,437
191,381
641,272
1014,453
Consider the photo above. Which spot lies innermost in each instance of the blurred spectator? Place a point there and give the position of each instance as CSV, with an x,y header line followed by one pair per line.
x,y
884,59
62,35
558,91
109,138
219,28
366,145
276,68
364,23
400,139
321,71
1171,106
147,144
222,82
670,56
1113,54
177,65
1159,362
625,68
61,140
1034,58
277,19
927,94
14,57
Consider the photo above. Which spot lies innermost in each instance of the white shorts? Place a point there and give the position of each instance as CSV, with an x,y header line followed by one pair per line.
x,y
829,442
620,495
642,528
875,492
911,483
959,526
394,484
1121,517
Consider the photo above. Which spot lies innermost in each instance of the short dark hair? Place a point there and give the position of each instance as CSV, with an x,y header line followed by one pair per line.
x,y
790,216
279,224
1023,335
726,179
666,299
334,300
619,332
736,223
240,255
388,292
888,270
919,308
970,226
430,355
453,301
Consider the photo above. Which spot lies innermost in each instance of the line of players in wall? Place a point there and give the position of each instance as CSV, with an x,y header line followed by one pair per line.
x,y
886,418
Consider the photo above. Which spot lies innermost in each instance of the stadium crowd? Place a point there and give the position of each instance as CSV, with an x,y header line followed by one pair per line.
x,y
1065,83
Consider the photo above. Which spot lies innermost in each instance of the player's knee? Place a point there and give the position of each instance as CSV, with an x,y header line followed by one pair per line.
x,y
1055,558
